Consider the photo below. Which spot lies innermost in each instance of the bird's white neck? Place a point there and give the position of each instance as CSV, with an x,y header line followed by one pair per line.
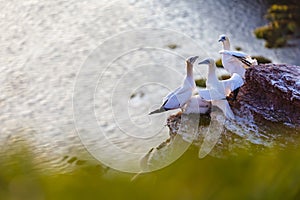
x,y
189,73
212,77
226,45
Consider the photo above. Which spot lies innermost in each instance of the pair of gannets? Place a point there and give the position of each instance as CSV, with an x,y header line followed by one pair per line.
x,y
216,91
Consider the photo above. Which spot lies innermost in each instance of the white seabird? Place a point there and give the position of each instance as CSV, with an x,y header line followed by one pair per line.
x,y
179,97
234,61
216,90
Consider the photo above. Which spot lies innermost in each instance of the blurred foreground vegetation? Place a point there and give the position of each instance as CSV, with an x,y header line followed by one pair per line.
x,y
272,175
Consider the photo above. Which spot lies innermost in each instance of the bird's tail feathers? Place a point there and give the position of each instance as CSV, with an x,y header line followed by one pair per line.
x,y
248,61
159,110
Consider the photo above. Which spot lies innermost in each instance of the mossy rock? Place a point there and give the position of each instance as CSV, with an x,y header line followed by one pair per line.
x,y
238,48
224,77
262,60
201,82
172,46
219,63
292,27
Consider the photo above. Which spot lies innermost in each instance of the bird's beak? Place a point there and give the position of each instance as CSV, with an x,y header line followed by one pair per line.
x,y
220,40
193,59
202,62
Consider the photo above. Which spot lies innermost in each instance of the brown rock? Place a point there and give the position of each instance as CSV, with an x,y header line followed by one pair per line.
x,y
271,92
267,113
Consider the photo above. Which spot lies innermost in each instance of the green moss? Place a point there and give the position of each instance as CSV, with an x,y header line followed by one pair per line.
x,y
263,32
238,48
284,22
219,63
292,27
224,77
201,82
172,46
262,60
280,42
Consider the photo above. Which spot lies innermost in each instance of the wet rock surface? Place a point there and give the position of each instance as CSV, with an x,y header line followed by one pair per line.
x,y
271,92
267,114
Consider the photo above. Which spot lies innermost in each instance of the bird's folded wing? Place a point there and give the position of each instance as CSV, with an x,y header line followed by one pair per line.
x,y
170,94
178,98
234,53
172,103
243,57
183,95
233,83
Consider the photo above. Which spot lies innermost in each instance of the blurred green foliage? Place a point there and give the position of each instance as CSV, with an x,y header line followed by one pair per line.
x,y
284,23
272,174
219,63
238,48
172,46
262,59
224,77
201,82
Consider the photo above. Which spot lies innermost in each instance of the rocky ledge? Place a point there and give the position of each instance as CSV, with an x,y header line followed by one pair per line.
x,y
271,92
267,111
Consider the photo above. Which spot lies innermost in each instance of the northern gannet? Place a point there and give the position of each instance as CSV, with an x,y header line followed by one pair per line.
x,y
234,61
216,90
179,97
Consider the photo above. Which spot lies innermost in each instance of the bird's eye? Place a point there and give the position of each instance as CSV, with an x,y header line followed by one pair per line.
x,y
223,38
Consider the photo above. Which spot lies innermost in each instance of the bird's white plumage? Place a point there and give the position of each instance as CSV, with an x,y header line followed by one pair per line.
x,y
233,83
179,97
234,61
237,56
234,53
216,91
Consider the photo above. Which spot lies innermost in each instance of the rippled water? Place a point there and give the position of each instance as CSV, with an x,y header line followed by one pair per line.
x,y
45,44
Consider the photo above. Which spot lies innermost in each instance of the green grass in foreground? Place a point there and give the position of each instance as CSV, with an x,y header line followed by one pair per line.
x,y
272,175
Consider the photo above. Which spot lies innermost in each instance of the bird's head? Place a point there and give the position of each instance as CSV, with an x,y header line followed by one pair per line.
x,y
191,60
223,38
225,41
207,61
